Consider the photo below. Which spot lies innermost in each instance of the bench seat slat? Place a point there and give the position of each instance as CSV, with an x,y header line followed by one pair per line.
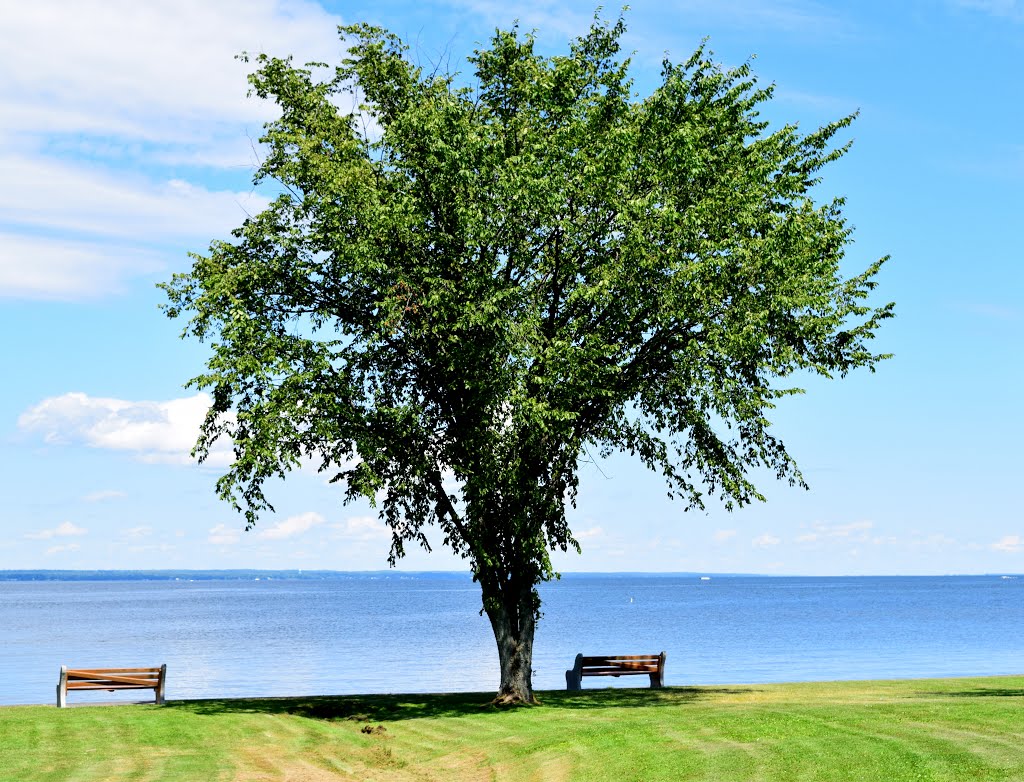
x,y
106,686
617,673
622,666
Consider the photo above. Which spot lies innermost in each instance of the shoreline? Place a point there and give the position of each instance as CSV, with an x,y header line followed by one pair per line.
x,y
486,696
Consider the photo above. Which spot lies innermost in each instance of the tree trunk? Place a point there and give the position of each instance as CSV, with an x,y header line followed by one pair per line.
x,y
513,615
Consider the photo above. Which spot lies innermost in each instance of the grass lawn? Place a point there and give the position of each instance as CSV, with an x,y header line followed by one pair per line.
x,y
937,729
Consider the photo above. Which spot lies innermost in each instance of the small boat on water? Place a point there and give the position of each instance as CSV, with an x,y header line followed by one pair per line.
x,y
705,578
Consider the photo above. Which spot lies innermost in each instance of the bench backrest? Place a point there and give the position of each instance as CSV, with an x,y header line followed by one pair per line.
x,y
622,664
652,665
113,678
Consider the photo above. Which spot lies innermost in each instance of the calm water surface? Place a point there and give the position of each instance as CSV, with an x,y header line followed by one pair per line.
x,y
400,633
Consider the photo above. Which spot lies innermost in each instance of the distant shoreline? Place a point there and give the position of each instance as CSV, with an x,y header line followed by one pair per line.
x,y
247,574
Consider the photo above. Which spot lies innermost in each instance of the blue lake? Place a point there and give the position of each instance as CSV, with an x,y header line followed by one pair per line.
x,y
362,633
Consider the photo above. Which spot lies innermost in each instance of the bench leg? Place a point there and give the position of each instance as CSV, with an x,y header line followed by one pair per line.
x,y
160,684
62,690
658,679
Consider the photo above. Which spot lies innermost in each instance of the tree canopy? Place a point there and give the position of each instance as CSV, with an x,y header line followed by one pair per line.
x,y
467,282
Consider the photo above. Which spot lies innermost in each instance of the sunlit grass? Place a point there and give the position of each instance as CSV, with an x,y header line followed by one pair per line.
x,y
948,729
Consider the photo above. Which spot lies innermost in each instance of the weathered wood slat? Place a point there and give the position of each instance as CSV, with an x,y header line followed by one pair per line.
x,y
113,670
107,686
598,658
610,672
101,674
130,680
625,666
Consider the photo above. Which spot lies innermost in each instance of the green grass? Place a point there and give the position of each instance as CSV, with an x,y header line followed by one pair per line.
x,y
947,729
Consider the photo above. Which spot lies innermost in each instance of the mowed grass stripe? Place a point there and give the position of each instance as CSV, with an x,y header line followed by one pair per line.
x,y
935,730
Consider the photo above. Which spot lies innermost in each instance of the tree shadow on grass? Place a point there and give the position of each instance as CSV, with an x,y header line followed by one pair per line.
x,y
981,692
390,708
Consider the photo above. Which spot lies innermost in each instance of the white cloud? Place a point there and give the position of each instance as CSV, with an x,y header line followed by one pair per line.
x,y
137,533
80,231
935,540
64,530
363,528
39,267
61,549
762,541
589,534
293,525
56,195
130,86
154,431
159,70
723,535
1011,544
104,495
222,535
852,531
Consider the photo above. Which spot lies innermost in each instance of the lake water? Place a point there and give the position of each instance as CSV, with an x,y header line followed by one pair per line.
x,y
361,633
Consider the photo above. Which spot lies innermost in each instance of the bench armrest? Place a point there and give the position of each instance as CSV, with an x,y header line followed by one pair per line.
x,y
574,676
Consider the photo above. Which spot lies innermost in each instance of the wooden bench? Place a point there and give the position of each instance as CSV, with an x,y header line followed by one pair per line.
x,y
110,679
622,665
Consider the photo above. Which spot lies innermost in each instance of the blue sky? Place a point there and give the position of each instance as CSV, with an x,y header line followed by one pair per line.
x,y
127,141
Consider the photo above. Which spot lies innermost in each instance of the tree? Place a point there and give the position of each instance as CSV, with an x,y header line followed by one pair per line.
x,y
468,284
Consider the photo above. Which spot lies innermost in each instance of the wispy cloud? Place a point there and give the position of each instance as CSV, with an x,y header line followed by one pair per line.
x,y
831,105
97,91
547,16
222,535
820,531
154,431
571,18
790,16
763,541
41,267
1011,544
723,535
64,530
62,549
1003,313
104,495
82,231
1005,9
292,526
160,70
90,200
362,528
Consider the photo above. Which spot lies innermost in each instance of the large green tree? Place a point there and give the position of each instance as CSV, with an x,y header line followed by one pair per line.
x,y
467,281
